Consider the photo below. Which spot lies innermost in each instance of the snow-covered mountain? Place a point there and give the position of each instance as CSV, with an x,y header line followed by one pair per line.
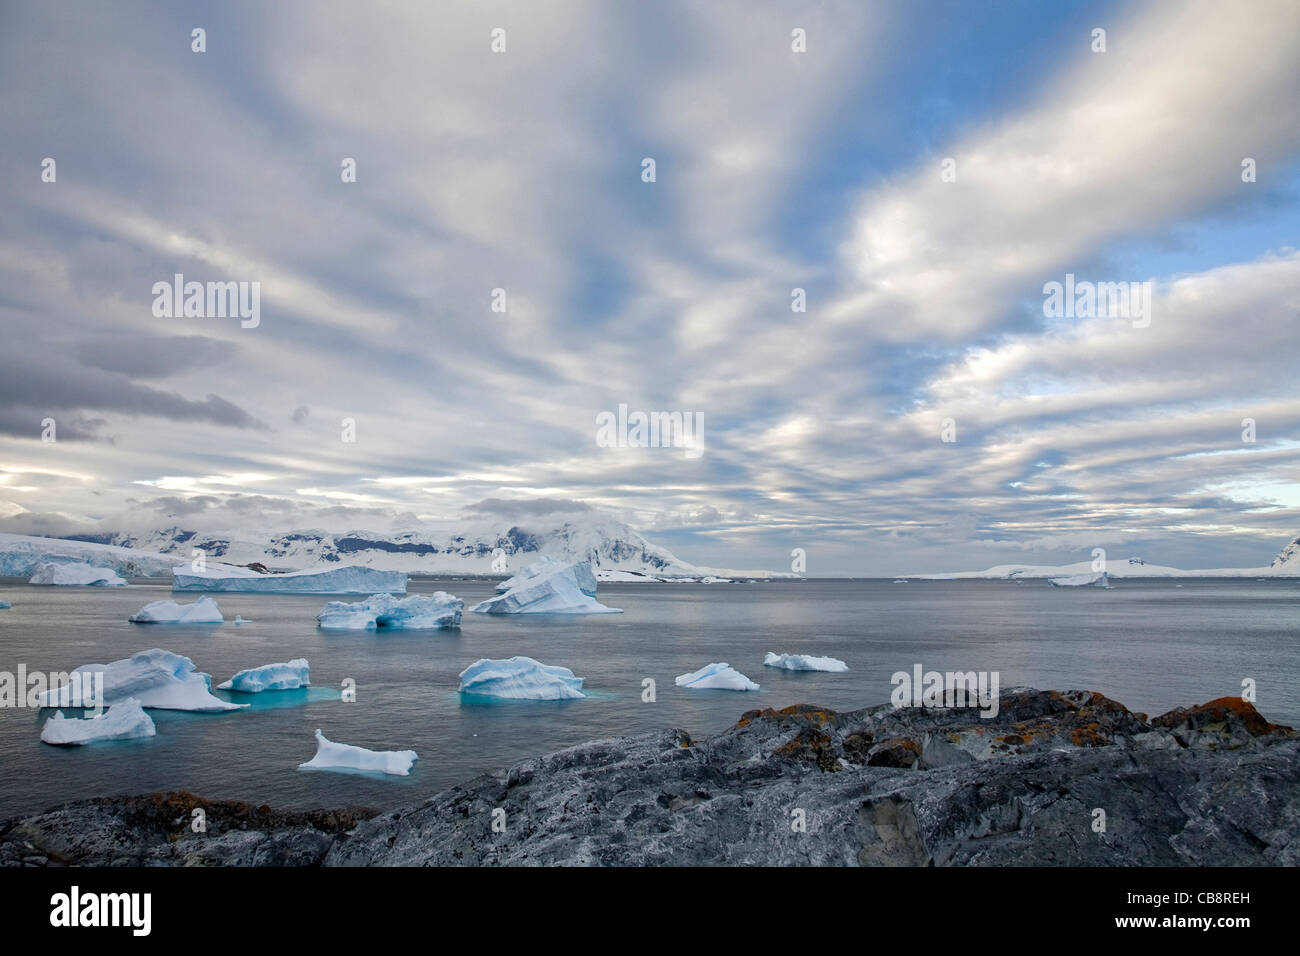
x,y
480,546
1286,564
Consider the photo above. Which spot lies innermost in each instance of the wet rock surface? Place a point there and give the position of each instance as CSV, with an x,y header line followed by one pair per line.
x,y
1210,785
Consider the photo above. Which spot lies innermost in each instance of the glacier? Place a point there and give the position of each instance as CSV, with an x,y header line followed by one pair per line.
x,y
289,675
202,611
716,677
520,678
353,579
157,678
125,720
75,574
332,756
438,610
21,553
1081,581
549,587
805,662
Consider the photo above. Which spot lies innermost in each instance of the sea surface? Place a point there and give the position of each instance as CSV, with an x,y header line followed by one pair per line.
x,y
1151,644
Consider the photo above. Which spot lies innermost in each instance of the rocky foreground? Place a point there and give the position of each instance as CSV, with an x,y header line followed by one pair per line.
x,y
1055,778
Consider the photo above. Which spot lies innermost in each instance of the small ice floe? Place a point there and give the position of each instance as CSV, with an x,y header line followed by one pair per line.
x,y
75,574
716,677
202,611
520,678
289,675
419,611
804,662
5,605
332,756
123,721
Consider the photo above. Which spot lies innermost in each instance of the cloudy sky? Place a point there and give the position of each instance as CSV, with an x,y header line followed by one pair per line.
x,y
921,172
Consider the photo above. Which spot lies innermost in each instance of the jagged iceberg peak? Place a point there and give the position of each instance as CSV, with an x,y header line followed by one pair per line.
x,y
334,756
716,677
549,587
437,610
157,678
125,720
75,574
202,611
520,678
804,662
289,675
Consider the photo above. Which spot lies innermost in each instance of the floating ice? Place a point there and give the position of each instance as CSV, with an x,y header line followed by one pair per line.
x,y
714,579
332,756
439,609
350,580
804,662
716,677
125,720
289,675
5,605
202,611
75,574
520,678
549,587
157,678
1081,581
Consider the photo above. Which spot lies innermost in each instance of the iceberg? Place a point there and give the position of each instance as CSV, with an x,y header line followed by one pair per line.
x,y
21,553
353,579
549,587
156,678
332,756
1081,581
716,677
289,675
437,610
5,605
123,721
520,678
548,565
714,579
804,662
202,611
75,574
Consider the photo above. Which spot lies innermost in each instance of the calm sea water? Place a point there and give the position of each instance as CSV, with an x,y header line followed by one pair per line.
x,y
1152,645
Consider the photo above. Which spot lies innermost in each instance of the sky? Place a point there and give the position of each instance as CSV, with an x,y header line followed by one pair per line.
x,y
922,171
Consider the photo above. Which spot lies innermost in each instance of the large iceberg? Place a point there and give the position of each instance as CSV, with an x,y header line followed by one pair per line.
x,y
548,565
75,574
202,611
21,553
716,677
1081,581
332,756
804,662
436,610
123,721
289,675
350,580
520,678
549,587
157,678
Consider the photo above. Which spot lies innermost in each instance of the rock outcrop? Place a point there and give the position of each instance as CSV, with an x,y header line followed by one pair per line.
x,y
1055,778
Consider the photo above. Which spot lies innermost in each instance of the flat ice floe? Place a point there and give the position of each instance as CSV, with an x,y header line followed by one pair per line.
x,y
520,678
716,677
156,678
1081,581
123,721
437,610
289,675
549,587
804,662
202,611
353,579
332,756
75,574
